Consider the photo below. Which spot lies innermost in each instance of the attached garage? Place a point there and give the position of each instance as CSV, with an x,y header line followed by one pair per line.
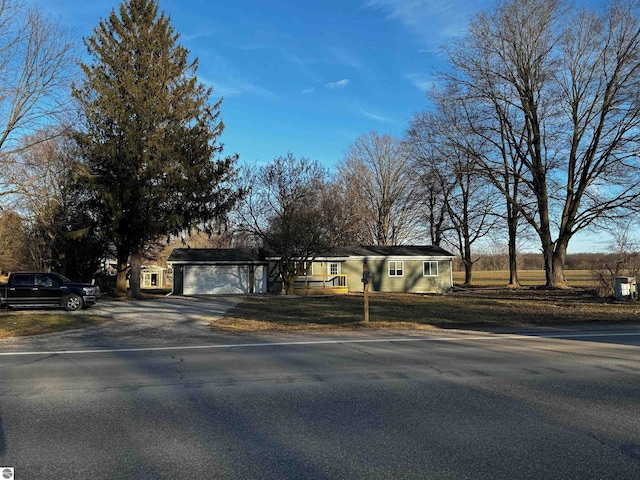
x,y
217,272
219,279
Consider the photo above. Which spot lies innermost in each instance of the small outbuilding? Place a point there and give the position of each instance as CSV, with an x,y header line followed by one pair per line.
x,y
154,276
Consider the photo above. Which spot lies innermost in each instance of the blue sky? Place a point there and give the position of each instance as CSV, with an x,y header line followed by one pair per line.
x,y
308,77
305,76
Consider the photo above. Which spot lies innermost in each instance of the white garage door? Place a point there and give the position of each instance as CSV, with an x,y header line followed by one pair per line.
x,y
215,280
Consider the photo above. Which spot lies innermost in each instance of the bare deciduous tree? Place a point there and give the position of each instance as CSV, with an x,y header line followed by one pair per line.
x,y
434,186
14,253
452,158
39,172
345,217
36,57
283,209
62,227
562,86
379,171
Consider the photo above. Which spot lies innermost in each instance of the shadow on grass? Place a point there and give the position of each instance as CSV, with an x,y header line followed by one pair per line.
x,y
496,308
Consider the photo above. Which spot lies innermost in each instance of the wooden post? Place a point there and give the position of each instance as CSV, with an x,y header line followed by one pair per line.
x,y
365,281
366,302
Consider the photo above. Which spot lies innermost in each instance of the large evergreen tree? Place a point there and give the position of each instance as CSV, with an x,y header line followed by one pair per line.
x,y
151,136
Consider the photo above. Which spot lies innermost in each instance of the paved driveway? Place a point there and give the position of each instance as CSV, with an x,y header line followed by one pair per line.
x,y
138,323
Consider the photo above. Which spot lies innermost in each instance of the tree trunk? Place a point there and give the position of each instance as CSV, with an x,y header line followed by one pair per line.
x,y
547,253
514,282
289,275
468,271
134,275
123,270
289,284
559,257
121,278
544,230
466,259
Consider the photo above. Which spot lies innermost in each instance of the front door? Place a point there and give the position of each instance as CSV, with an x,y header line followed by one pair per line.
x,y
46,290
333,268
22,289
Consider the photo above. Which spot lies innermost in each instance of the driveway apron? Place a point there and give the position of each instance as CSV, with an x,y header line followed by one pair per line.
x,y
165,321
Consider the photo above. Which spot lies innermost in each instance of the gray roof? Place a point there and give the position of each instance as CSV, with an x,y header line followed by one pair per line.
x,y
223,255
394,251
245,255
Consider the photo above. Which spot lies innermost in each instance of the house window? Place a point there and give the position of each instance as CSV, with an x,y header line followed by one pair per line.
x,y
430,269
334,268
396,269
151,278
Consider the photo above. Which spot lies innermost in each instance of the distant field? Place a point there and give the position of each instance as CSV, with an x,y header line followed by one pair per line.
x,y
575,278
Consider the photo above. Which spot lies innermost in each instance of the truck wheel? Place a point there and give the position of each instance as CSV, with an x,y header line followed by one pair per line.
x,y
72,302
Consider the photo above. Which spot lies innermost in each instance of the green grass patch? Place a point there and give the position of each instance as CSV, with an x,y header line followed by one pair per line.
x,y
489,308
26,323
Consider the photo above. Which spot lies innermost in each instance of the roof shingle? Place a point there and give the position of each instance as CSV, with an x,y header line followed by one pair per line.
x,y
188,255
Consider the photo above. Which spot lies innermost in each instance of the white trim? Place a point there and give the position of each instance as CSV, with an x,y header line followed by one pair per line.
x,y
327,259
377,257
400,258
395,269
217,262
430,269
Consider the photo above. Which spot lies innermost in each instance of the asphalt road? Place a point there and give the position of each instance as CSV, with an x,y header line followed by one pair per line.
x,y
443,405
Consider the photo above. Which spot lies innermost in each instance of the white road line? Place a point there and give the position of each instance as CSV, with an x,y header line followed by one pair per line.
x,y
585,335
324,342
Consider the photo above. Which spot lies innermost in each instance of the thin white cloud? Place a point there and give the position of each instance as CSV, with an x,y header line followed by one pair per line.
x,y
235,87
306,91
199,35
433,22
422,82
339,84
407,11
226,80
374,116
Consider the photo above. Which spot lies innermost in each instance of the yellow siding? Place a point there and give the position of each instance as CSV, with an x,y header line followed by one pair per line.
x,y
412,279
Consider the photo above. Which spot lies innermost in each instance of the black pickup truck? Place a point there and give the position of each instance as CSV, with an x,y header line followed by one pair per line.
x,y
35,289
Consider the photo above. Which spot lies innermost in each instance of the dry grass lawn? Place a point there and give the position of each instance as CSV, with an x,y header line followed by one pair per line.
x,y
21,323
461,309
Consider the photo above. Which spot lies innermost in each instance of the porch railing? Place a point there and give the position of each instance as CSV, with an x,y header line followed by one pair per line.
x,y
335,283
